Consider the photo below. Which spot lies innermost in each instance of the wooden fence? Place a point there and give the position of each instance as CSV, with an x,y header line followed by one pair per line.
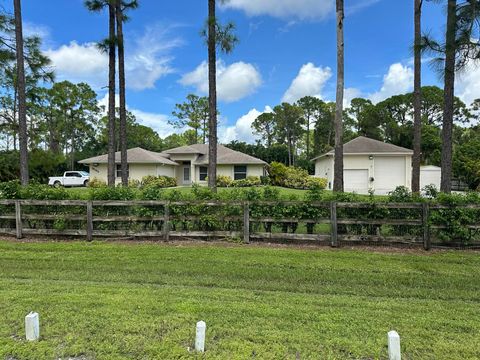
x,y
337,223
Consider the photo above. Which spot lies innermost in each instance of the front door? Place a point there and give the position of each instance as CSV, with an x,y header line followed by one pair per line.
x,y
186,175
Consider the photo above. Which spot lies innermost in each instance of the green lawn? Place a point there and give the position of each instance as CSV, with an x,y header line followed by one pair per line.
x,y
141,301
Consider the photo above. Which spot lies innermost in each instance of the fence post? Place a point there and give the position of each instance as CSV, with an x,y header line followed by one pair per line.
x,y
89,220
18,219
333,224
166,222
426,226
246,223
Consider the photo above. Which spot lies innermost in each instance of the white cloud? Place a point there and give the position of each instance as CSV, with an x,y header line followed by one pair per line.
x,y
309,82
299,9
242,130
32,29
350,94
158,122
147,59
302,9
80,63
234,81
398,80
468,84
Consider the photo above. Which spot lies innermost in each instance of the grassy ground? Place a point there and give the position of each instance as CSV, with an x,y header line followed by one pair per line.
x,y
141,301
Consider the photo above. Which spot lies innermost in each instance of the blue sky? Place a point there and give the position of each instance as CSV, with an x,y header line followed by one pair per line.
x,y
286,50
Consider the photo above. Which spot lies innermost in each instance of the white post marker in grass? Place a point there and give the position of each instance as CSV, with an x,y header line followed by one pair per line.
x,y
394,346
200,336
32,326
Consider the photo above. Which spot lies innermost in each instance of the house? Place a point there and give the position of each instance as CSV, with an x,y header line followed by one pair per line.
x,y
430,175
187,164
369,165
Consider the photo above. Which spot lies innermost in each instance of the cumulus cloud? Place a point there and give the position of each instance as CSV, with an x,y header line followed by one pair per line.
x,y
158,122
468,84
80,63
234,82
242,130
398,80
302,9
147,60
350,94
309,82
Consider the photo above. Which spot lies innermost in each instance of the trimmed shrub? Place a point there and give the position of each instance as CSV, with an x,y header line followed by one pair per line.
x,y
224,181
248,181
96,183
159,181
293,177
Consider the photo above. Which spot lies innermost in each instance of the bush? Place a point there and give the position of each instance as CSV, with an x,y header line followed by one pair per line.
x,y
314,183
96,183
248,181
293,177
159,181
43,192
10,190
224,181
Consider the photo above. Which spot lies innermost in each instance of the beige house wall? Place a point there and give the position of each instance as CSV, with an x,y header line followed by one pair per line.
x,y
324,168
228,170
138,171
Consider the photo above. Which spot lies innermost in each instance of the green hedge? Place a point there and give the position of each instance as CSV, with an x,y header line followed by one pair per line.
x,y
453,220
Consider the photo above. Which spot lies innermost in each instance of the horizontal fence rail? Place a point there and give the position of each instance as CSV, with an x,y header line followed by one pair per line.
x,y
332,223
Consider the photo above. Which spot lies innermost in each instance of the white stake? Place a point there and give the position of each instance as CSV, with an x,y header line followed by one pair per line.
x,y
200,336
32,326
394,346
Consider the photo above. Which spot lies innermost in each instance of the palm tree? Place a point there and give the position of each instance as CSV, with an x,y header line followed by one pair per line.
x,y
120,7
109,46
223,37
449,88
22,105
417,97
338,164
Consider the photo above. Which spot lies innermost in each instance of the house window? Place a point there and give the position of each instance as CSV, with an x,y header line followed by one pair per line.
x,y
239,172
203,173
119,171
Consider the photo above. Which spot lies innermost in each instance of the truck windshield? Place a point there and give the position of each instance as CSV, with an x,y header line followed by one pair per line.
x,y
84,173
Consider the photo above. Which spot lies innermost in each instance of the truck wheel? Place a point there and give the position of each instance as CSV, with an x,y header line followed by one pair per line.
x,y
85,183
57,184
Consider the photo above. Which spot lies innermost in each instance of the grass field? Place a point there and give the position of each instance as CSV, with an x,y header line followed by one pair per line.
x,y
141,301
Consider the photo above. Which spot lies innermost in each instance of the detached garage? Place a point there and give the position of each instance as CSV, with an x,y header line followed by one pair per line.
x,y
369,165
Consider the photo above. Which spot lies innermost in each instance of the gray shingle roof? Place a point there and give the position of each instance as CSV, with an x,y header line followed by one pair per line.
x,y
139,155
135,155
364,145
224,155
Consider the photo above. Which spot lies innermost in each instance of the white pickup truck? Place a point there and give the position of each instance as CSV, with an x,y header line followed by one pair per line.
x,y
70,178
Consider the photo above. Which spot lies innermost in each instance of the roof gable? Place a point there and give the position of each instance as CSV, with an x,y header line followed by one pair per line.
x,y
364,145
139,155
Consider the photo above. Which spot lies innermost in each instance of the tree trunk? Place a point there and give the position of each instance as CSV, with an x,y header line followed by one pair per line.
x,y
417,98
308,137
449,87
111,95
123,110
22,103
212,97
338,165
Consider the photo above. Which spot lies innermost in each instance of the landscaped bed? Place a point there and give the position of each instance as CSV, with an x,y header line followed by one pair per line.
x,y
129,300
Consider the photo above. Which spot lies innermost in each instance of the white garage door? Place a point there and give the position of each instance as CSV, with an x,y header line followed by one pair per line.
x,y
356,180
389,173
